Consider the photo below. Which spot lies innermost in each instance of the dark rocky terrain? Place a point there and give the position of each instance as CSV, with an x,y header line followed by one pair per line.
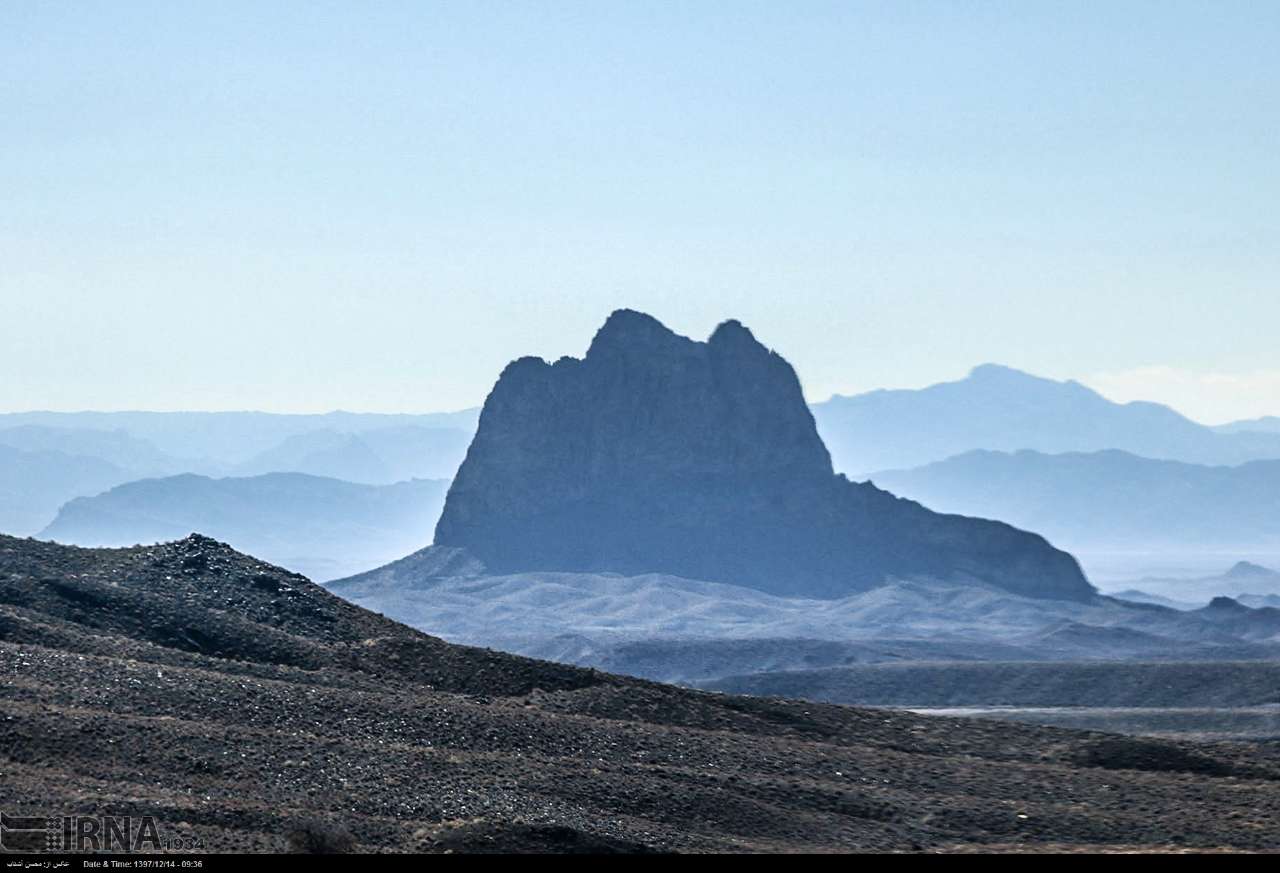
x,y
245,706
656,453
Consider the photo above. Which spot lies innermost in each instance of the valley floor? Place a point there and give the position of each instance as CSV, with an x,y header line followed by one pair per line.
x,y
1261,723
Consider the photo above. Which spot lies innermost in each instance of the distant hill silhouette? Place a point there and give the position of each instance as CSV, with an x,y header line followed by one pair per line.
x,y
377,457
49,458
324,528
1002,409
1266,424
226,439
1107,500
1249,583
136,456
34,484
656,453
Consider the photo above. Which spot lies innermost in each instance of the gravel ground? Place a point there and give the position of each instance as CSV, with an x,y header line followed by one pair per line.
x,y
250,709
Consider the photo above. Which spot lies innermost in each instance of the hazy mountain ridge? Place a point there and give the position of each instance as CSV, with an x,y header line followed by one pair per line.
x,y
1246,582
135,455
231,438
380,449
35,484
379,456
324,527
998,408
1265,424
47,459
1109,500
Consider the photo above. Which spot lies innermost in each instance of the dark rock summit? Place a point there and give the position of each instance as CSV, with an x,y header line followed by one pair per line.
x,y
656,453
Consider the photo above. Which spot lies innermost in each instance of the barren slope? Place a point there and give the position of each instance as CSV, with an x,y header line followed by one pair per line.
x,y
233,700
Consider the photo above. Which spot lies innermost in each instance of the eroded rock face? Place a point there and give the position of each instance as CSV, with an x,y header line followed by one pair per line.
x,y
656,453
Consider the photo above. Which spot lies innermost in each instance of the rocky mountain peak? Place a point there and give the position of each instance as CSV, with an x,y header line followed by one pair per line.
x,y
627,331
659,453
734,332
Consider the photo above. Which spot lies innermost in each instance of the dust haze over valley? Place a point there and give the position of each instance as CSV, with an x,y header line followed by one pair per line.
x,y
628,428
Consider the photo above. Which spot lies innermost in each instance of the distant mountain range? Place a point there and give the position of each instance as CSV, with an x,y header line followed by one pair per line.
x,y
378,456
231,438
1249,583
323,528
1101,501
47,459
136,456
1266,424
34,484
1000,409
906,441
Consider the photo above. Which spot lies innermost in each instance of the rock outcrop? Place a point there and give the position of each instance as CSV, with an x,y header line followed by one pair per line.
x,y
656,453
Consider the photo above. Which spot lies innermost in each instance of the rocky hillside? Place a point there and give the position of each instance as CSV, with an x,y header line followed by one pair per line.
x,y
251,710
656,453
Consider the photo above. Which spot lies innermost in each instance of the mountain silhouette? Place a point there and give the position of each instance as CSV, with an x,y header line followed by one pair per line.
x,y
1107,500
1265,424
323,527
1001,409
657,453
34,484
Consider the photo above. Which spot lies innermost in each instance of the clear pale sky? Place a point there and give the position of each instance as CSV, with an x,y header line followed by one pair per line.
x,y
376,206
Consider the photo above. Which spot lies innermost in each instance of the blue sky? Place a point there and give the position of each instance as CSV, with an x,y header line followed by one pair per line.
x,y
375,206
